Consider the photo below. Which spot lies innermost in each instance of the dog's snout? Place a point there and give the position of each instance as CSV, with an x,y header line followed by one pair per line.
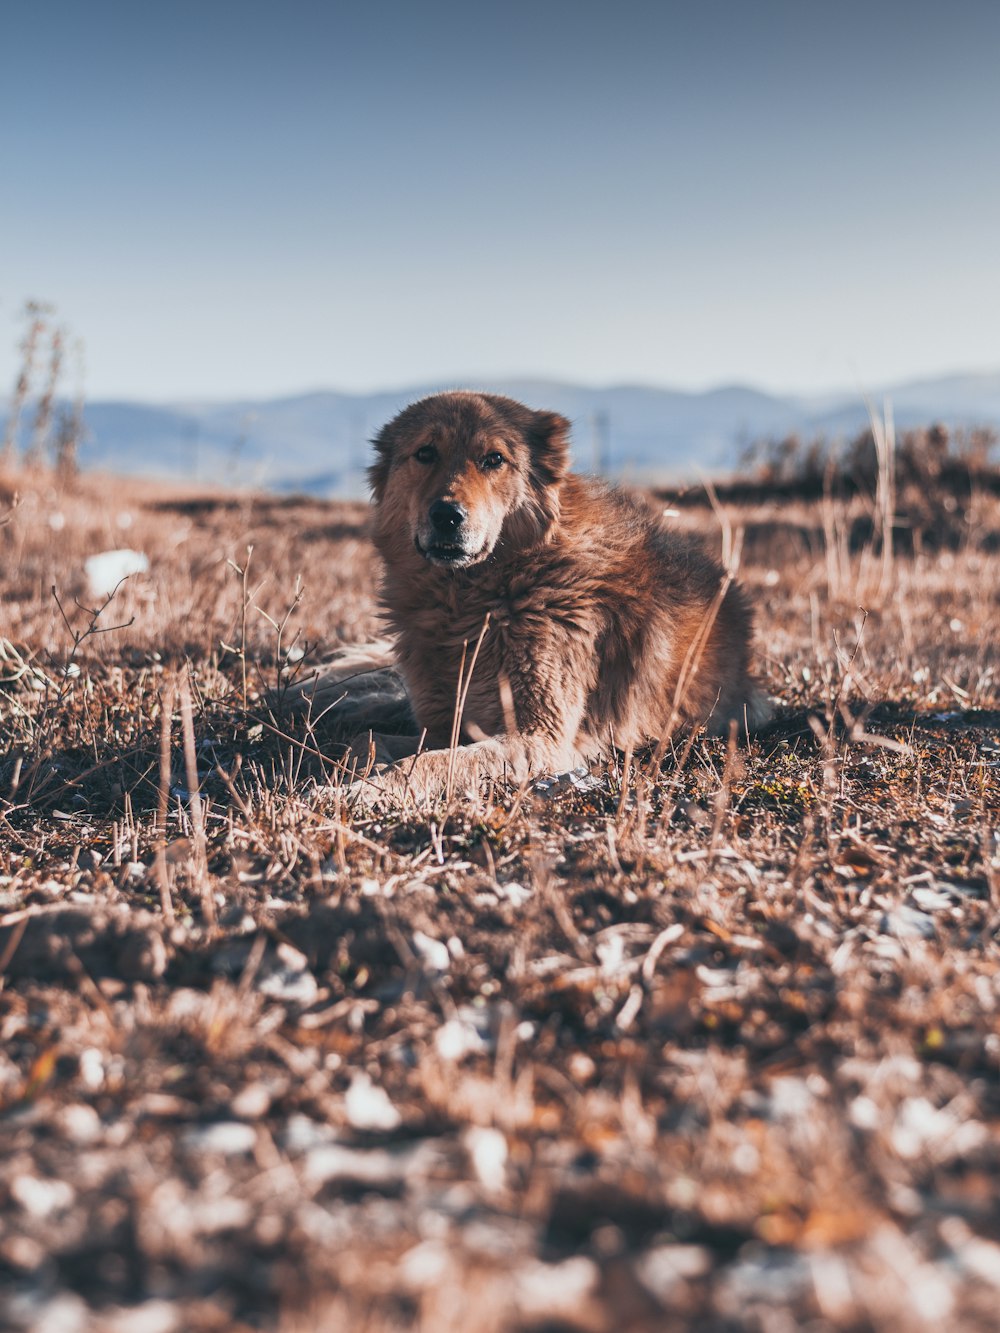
x,y
447,517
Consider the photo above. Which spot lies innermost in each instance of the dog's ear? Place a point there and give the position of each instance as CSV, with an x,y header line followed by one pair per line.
x,y
548,439
378,472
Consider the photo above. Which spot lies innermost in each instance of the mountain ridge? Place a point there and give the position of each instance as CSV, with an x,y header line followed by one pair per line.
x,y
317,440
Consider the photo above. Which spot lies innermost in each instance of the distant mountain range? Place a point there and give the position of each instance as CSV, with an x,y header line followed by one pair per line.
x,y
318,442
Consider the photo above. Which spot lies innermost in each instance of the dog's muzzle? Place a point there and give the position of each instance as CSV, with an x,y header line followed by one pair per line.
x,y
444,538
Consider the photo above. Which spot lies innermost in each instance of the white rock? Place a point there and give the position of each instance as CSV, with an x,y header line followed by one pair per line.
x,y
661,1268
487,1149
611,954
41,1198
863,1113
931,900
555,1291
149,1317
286,976
832,1285
790,1098
906,923
745,1159
79,1123
178,1213
65,1313
578,779
982,1257
456,1039
431,952
516,894
923,1129
251,1102
302,1134
768,1278
368,1106
425,1265
365,1166
230,1138
105,571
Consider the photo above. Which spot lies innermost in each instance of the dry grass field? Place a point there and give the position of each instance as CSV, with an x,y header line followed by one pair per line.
x,y
713,1045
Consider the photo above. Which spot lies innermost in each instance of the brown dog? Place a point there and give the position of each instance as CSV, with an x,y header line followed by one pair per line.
x,y
539,617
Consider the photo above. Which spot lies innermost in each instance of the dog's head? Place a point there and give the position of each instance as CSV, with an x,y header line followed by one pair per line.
x,y
458,474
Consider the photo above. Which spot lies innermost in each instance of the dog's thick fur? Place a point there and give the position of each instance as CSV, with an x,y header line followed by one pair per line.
x,y
597,624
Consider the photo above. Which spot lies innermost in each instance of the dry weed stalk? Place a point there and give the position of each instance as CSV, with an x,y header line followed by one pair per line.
x,y
245,602
279,626
161,868
71,428
35,312
873,580
38,448
878,579
199,859
461,694
836,538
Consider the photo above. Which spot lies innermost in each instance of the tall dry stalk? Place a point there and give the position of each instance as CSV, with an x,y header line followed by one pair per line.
x,y
836,538
247,599
884,434
35,313
461,694
70,428
160,863
200,845
47,402
873,579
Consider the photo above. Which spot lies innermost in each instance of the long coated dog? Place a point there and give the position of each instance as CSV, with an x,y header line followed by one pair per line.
x,y
539,618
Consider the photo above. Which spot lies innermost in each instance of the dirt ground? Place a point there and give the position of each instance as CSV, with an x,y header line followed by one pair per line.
x,y
712,1044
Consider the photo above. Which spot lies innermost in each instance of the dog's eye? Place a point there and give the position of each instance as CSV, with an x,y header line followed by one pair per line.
x,y
492,461
426,454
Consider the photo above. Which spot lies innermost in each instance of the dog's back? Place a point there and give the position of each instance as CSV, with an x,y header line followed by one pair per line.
x,y
674,639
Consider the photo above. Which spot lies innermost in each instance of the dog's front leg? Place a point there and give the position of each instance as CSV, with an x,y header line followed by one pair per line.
x,y
547,744
463,770
548,699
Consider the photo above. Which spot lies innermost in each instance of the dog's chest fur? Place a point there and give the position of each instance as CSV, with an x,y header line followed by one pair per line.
x,y
502,631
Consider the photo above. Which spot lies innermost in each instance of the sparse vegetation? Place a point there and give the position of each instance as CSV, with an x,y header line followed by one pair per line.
x,y
49,431
708,1043
937,475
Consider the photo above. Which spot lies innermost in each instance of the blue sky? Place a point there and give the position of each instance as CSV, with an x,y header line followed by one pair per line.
x,y
244,199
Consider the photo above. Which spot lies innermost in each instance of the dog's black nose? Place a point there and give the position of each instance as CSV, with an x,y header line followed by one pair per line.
x,y
447,517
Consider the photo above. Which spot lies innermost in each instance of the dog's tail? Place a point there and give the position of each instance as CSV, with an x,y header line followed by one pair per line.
x,y
758,711
750,709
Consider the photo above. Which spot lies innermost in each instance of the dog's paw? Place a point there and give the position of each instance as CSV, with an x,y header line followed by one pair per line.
x,y
417,781
381,790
